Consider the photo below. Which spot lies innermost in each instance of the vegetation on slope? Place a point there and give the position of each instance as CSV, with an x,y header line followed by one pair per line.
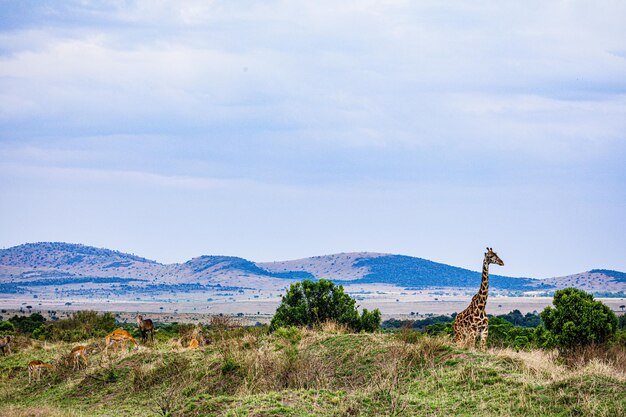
x,y
54,254
318,370
618,276
300,372
408,271
223,263
309,303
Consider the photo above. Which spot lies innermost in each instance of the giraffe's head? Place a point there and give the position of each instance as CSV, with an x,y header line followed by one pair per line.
x,y
493,257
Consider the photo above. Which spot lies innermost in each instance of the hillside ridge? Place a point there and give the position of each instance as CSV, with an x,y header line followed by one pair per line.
x,y
65,262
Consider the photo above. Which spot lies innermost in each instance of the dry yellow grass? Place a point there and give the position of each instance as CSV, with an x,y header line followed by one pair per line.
x,y
545,363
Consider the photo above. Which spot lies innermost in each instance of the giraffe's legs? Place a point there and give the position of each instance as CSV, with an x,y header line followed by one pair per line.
x,y
484,332
483,339
471,340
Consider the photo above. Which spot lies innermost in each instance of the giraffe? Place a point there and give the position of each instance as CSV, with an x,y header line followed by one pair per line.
x,y
473,321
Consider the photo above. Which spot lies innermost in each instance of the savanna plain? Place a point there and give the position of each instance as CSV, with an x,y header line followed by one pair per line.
x,y
324,371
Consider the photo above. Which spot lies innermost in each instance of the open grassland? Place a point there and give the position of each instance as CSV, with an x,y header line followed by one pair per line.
x,y
392,301
326,372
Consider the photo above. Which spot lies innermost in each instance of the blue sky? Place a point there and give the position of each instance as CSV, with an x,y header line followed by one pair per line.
x,y
277,130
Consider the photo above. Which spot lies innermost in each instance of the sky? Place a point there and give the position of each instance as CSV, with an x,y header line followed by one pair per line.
x,y
277,130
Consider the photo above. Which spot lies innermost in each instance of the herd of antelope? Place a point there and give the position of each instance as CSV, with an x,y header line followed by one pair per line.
x,y
78,355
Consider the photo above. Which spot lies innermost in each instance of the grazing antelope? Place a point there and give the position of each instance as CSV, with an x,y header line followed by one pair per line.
x,y
145,326
36,366
193,344
118,336
5,342
75,355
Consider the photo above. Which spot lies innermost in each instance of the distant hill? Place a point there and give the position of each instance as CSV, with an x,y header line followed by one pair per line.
x,y
58,254
59,263
404,271
407,271
219,264
596,280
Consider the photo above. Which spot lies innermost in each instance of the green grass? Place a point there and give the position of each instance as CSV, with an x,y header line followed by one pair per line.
x,y
309,373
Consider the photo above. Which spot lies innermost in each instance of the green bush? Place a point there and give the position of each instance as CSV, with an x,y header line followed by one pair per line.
x,y
370,320
43,332
516,318
309,303
443,328
6,327
27,324
80,326
619,338
292,335
578,320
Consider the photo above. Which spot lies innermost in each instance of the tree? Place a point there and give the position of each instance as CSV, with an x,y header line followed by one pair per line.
x,y
370,320
6,327
27,324
309,303
578,320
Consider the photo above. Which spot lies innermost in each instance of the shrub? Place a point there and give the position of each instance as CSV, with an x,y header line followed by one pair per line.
x,y
577,320
503,334
516,318
370,320
27,324
6,327
80,326
291,334
309,303
43,332
421,324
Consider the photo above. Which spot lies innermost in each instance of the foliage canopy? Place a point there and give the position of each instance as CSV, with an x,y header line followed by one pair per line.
x,y
27,324
309,303
578,320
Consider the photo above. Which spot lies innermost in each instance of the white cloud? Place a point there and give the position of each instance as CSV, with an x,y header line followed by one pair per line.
x,y
311,110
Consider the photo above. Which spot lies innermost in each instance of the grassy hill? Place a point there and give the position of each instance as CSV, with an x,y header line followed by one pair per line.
x,y
247,372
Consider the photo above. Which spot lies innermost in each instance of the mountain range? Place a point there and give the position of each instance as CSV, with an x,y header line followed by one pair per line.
x,y
57,264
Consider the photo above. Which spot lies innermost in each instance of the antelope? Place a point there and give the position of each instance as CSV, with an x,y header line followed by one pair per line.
x,y
118,336
5,342
193,344
36,366
145,326
76,354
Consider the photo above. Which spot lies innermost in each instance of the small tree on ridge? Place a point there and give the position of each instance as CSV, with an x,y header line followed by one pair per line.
x,y
578,320
309,303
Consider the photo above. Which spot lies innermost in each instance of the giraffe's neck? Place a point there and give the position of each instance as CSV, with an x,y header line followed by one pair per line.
x,y
483,292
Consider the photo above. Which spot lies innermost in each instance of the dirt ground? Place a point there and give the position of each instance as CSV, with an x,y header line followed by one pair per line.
x,y
260,306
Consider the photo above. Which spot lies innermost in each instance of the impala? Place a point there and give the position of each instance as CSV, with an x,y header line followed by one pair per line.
x,y
36,366
119,336
75,356
5,342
